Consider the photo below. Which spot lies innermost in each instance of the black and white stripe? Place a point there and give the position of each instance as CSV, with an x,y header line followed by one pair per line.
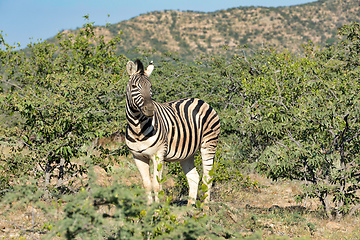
x,y
171,131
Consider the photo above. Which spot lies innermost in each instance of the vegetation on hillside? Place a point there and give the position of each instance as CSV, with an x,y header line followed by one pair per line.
x,y
288,116
191,33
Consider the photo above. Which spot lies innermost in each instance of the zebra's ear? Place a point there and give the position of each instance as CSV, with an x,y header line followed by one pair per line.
x,y
149,69
131,68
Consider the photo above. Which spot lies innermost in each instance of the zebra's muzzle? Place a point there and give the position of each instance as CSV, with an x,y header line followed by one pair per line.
x,y
148,110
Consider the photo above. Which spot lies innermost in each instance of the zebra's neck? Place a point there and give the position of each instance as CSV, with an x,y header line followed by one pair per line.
x,y
139,125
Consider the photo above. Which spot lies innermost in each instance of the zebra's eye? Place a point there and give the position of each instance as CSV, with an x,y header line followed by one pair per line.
x,y
133,86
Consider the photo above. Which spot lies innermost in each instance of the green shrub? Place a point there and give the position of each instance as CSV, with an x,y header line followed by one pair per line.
x,y
66,95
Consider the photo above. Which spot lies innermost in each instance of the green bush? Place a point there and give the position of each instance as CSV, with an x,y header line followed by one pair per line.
x,y
66,95
294,117
308,109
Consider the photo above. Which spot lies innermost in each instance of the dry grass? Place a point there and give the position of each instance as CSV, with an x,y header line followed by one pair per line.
x,y
270,209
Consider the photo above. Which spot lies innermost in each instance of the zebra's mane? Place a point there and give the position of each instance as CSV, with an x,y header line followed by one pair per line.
x,y
139,66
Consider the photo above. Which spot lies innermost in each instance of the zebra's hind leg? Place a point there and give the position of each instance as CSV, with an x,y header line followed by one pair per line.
x,y
207,156
192,176
144,169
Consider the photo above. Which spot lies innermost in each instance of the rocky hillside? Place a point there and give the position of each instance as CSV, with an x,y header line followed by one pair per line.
x,y
191,33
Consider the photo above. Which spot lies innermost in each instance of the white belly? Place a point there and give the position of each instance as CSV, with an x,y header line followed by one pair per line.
x,y
146,149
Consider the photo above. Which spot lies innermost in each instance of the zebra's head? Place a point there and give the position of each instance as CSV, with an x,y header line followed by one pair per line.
x,y
138,90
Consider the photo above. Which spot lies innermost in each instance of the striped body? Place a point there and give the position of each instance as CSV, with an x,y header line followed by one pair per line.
x,y
178,128
171,131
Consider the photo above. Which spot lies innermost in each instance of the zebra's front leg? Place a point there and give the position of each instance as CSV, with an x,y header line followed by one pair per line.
x,y
192,176
158,162
144,169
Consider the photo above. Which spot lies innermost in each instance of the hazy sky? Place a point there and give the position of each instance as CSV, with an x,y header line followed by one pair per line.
x,y
21,20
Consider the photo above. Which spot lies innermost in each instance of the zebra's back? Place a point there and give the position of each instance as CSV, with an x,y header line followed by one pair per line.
x,y
189,123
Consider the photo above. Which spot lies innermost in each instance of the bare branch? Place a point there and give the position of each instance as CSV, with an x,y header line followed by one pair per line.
x,y
12,84
292,139
354,209
328,88
280,103
61,182
281,144
22,229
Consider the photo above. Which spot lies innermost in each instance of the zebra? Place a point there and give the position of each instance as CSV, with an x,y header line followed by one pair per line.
x,y
171,132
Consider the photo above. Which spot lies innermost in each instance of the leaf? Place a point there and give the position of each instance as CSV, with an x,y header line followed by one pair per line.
x,y
204,188
159,167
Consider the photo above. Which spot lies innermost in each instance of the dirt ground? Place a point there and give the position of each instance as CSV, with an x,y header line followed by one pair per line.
x,y
269,208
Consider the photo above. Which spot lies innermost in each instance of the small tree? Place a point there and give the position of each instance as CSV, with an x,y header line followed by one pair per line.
x,y
309,110
66,95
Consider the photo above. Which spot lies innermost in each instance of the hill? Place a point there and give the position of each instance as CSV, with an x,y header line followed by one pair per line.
x,y
191,33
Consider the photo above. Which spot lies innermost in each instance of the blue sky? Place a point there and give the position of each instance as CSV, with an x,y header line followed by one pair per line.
x,y
26,21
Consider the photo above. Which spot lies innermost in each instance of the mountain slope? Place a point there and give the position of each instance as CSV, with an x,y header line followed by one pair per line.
x,y
191,33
